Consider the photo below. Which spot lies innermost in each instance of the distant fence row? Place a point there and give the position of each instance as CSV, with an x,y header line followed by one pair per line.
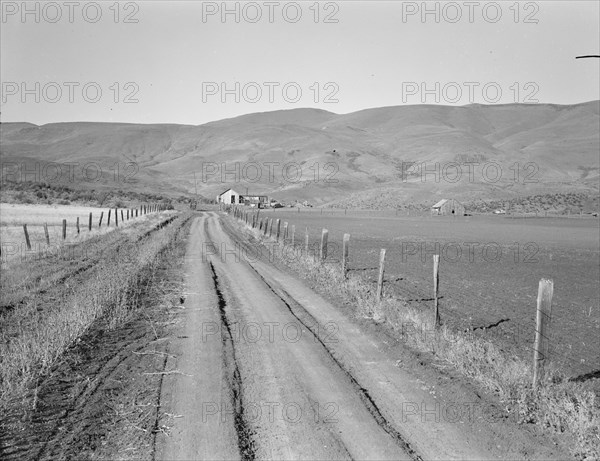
x,y
425,213
113,216
538,334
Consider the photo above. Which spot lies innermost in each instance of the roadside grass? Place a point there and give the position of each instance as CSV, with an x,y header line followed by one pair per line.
x,y
556,405
35,334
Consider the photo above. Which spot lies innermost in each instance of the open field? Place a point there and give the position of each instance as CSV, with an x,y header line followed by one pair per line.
x,y
489,272
13,216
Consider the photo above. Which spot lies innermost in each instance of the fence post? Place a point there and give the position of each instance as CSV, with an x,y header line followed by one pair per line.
x,y
100,222
323,251
90,222
306,241
285,231
381,272
436,283
46,234
122,219
116,218
64,229
127,214
278,232
293,234
345,249
108,220
542,330
77,225
27,242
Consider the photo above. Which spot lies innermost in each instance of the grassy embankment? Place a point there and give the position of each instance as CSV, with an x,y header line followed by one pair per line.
x,y
49,302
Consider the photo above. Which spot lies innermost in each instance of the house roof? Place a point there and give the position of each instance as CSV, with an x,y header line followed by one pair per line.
x,y
228,191
440,203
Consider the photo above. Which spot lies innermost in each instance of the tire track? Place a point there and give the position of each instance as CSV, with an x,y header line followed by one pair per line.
x,y
246,444
363,393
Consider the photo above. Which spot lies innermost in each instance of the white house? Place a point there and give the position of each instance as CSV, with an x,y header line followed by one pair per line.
x,y
229,197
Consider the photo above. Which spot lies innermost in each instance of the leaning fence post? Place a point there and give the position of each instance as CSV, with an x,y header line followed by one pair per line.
x,y
64,229
381,272
90,222
122,219
345,248
436,283
27,242
46,233
542,330
323,251
101,216
108,220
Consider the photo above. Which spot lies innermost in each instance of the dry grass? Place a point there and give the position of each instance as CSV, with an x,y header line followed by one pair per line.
x,y
35,334
557,405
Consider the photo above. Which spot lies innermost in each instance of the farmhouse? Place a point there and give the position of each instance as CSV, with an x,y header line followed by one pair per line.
x,y
229,197
448,207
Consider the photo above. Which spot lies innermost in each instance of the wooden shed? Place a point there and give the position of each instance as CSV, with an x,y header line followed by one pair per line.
x,y
448,207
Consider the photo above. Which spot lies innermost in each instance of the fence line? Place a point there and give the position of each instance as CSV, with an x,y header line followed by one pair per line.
x,y
542,349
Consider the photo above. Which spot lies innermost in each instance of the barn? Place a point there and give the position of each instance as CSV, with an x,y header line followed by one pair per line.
x,y
229,197
448,207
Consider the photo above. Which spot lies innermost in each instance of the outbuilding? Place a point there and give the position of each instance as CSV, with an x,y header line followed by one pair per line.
x,y
448,207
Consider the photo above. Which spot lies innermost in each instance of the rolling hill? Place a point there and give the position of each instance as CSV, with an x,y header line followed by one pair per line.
x,y
315,155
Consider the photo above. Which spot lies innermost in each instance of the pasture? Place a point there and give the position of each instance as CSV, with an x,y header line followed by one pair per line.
x,y
13,216
490,267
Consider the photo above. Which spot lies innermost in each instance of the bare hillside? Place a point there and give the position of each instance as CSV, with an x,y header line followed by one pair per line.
x,y
512,149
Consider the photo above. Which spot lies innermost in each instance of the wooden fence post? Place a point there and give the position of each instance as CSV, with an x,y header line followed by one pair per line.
x,y
285,231
436,283
27,242
77,225
278,231
108,220
306,241
90,222
345,249
323,251
122,218
127,214
100,222
64,229
46,234
381,272
116,218
542,330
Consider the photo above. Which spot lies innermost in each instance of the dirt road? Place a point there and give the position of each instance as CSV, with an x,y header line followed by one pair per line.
x,y
264,368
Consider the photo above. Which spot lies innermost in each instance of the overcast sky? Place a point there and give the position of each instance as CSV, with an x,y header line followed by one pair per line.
x,y
184,62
